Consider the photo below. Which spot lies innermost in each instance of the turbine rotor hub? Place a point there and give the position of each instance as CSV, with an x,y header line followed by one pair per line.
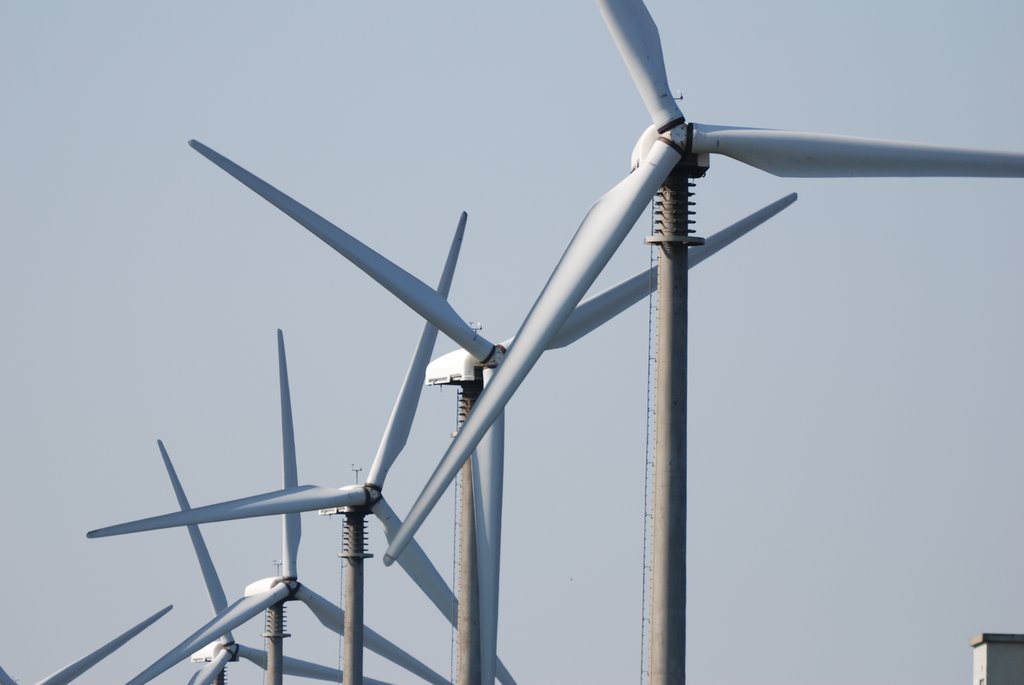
x,y
679,137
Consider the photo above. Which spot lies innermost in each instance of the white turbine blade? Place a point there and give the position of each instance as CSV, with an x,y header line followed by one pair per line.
x,y
730,234
298,667
214,588
257,656
333,618
208,673
820,155
330,615
597,310
504,677
604,227
72,671
636,36
406,287
6,679
397,432
488,477
291,522
421,570
418,566
229,619
302,498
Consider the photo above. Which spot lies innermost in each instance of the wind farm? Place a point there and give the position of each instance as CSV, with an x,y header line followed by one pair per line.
x,y
851,384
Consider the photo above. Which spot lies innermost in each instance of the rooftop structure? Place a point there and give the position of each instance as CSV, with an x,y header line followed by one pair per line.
x,y
998,659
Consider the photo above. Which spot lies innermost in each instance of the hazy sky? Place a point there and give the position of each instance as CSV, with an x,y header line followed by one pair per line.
x,y
855,431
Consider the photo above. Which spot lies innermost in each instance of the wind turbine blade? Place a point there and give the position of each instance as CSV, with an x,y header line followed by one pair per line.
x,y
597,310
208,673
604,227
6,679
637,38
229,619
257,656
488,477
298,667
418,566
730,234
292,523
406,287
72,671
214,588
397,432
504,677
333,618
302,498
421,570
820,155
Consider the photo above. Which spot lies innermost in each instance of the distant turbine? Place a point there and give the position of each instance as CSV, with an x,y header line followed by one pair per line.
x,y
224,649
271,592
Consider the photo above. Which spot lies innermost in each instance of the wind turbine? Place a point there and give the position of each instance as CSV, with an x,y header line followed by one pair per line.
x,y
77,668
669,154
224,650
271,593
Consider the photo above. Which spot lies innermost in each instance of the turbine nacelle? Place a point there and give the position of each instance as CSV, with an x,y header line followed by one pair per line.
x,y
265,585
457,366
210,652
460,366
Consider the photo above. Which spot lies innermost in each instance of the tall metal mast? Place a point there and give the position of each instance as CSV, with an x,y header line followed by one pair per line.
x,y
274,635
353,553
468,670
667,664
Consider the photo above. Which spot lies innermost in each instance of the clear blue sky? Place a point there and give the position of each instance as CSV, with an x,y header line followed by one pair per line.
x,y
855,433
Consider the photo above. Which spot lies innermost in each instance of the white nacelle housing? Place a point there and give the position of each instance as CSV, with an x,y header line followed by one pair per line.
x,y
455,367
261,586
207,653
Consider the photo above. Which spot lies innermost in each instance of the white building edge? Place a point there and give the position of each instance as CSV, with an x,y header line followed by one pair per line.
x,y
998,659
